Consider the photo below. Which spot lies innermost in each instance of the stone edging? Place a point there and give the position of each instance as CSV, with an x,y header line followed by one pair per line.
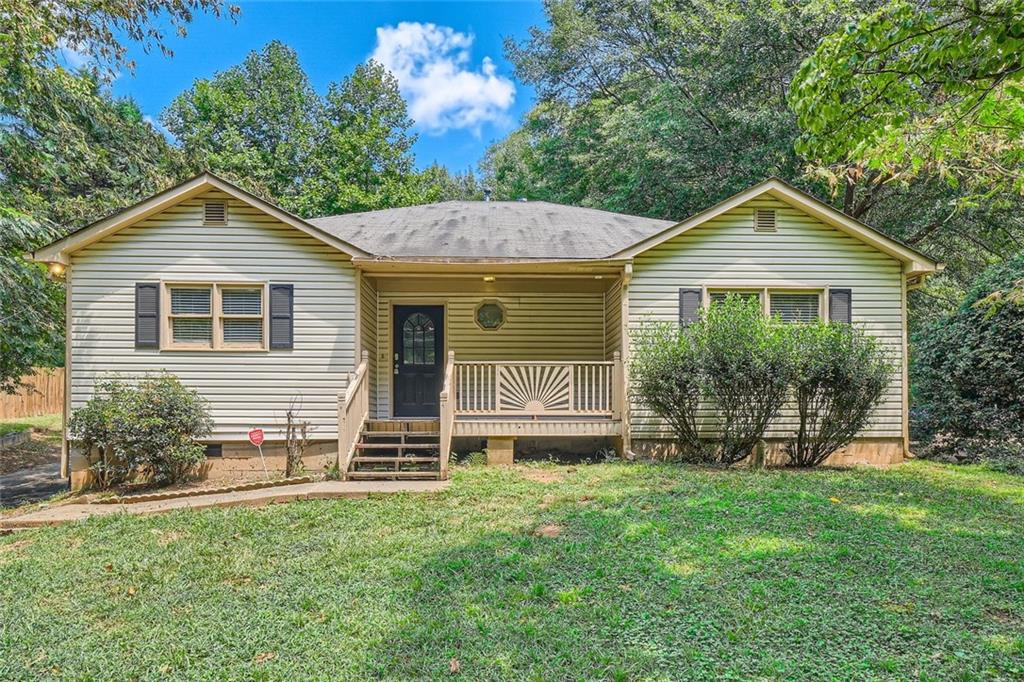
x,y
173,494
15,438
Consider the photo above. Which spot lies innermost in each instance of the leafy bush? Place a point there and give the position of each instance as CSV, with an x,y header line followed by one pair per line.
x,y
969,374
838,375
745,362
668,381
149,429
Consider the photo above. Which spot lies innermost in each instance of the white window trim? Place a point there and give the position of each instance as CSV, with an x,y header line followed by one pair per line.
x,y
765,292
217,316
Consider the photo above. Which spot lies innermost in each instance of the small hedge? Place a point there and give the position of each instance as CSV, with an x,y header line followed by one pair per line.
x,y
148,430
720,382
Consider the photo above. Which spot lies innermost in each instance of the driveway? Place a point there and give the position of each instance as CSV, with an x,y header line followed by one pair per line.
x,y
31,484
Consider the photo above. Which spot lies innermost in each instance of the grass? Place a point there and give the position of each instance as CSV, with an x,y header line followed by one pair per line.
x,y
51,423
609,571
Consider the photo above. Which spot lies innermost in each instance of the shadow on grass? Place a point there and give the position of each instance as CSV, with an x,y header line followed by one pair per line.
x,y
723,575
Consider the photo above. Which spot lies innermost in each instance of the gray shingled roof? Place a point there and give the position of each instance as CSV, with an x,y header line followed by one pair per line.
x,y
493,229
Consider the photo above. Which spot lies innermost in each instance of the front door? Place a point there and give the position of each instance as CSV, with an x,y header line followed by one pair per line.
x,y
419,359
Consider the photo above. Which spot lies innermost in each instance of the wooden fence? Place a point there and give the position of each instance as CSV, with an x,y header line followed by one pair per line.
x,y
44,394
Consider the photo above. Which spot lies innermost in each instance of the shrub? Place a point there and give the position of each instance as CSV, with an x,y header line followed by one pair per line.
x,y
745,361
667,380
149,429
968,373
837,375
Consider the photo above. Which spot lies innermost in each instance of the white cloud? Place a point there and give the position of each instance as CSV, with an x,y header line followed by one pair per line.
x,y
72,57
432,65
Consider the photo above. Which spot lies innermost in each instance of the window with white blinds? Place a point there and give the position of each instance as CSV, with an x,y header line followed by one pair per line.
x,y
242,316
215,316
794,307
191,316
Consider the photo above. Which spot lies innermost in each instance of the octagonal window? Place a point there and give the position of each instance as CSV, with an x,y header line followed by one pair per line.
x,y
490,315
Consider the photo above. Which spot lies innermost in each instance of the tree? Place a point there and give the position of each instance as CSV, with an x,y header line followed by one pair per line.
x,y
443,185
254,123
68,152
362,159
934,87
660,109
967,371
31,305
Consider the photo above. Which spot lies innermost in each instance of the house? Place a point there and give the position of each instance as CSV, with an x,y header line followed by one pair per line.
x,y
416,331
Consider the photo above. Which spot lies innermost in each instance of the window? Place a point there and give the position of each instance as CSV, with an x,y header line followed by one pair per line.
x,y
490,315
746,295
418,340
215,316
795,307
192,316
790,305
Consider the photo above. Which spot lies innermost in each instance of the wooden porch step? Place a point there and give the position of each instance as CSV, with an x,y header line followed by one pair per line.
x,y
399,459
394,474
395,445
396,434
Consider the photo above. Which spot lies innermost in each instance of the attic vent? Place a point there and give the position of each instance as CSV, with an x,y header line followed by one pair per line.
x,y
764,220
215,212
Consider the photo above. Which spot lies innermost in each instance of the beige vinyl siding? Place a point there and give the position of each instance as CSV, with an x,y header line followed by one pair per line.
x,y
244,388
613,320
804,252
545,319
368,331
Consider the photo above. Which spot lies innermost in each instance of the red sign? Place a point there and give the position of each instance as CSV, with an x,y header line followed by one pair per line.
x,y
256,436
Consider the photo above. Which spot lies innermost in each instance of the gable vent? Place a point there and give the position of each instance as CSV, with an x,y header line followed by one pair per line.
x,y
764,220
215,212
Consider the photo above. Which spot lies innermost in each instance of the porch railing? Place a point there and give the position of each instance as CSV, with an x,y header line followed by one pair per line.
x,y
353,411
447,414
538,388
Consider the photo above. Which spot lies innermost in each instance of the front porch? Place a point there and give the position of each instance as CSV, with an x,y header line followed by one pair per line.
x,y
544,362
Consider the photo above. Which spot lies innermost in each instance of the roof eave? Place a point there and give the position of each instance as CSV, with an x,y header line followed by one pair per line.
x,y
915,261
58,251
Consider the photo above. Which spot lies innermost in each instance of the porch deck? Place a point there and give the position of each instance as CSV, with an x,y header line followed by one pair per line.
x,y
499,400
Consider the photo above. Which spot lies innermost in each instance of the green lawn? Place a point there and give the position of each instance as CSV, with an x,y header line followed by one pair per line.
x,y
50,422
611,572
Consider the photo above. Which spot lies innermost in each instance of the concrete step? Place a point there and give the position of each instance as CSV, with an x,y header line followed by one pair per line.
x,y
386,475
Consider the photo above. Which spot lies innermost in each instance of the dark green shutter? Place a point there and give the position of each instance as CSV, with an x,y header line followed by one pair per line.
x,y
282,323
689,305
147,314
840,305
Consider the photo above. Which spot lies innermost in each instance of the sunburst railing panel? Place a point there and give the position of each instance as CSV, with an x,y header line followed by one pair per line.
x,y
535,388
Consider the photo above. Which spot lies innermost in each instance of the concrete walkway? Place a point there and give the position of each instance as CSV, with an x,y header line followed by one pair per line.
x,y
323,490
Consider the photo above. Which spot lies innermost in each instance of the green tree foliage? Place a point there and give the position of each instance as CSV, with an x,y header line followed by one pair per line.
x,y
254,123
69,153
657,108
837,376
363,158
443,185
147,430
31,305
969,372
934,87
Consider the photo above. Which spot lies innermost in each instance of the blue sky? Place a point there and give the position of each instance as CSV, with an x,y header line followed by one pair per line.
x,y
447,56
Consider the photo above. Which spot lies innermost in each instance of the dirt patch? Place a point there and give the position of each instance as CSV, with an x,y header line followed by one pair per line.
x,y
15,545
37,451
166,537
548,530
542,475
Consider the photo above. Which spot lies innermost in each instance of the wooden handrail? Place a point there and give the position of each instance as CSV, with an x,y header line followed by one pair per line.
x,y
447,414
353,411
